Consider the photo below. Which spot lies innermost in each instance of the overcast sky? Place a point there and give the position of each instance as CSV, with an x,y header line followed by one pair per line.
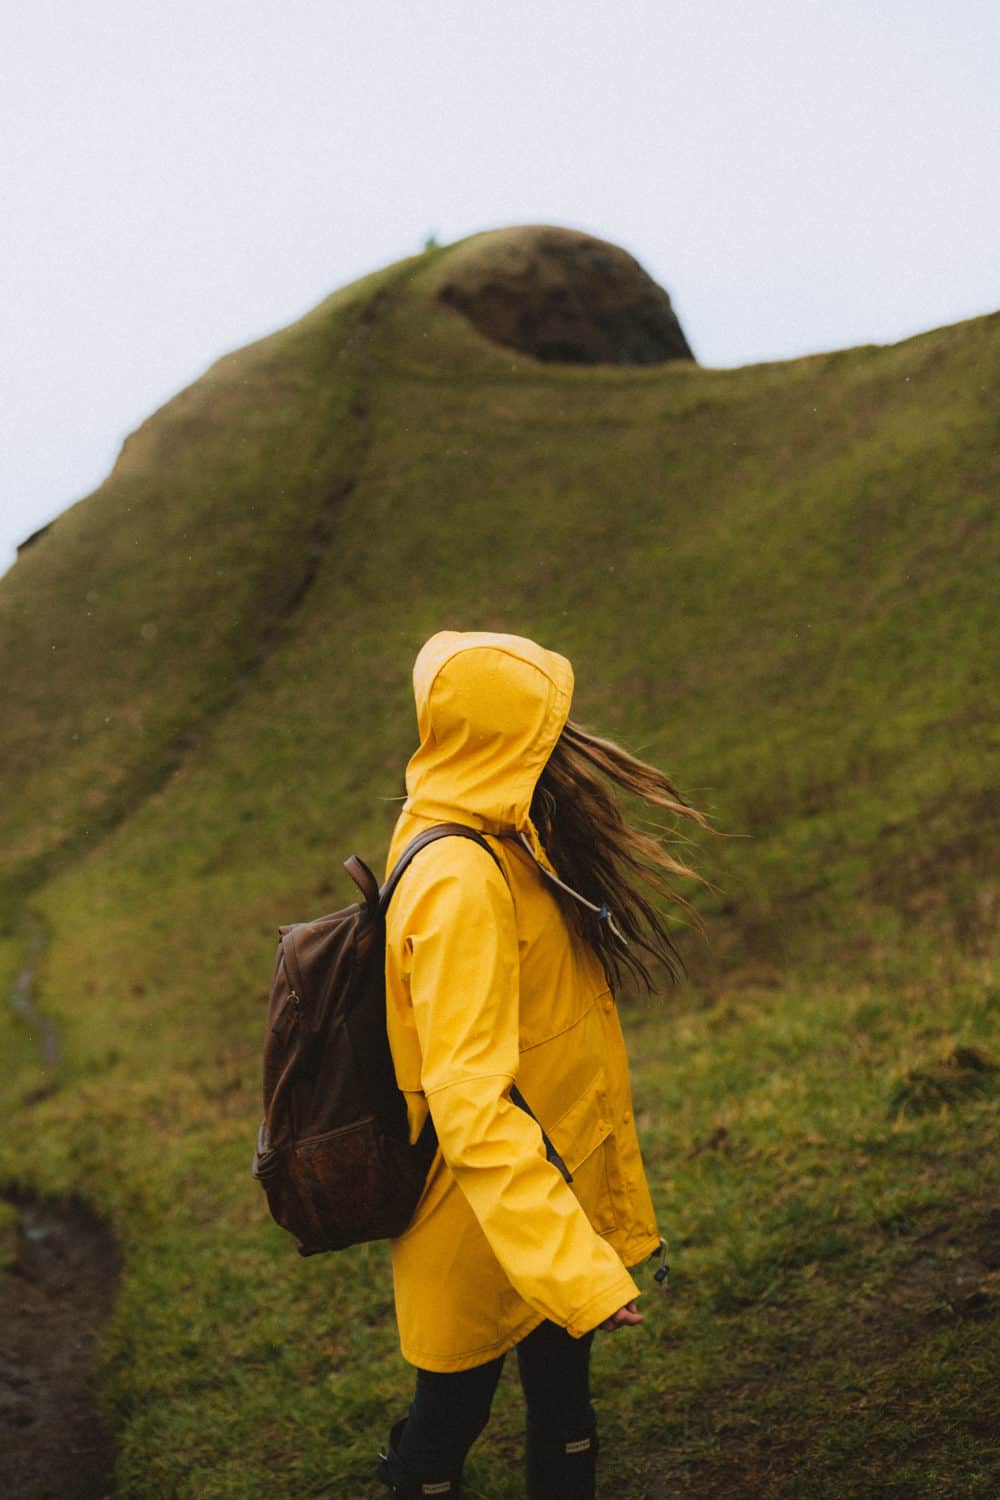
x,y
178,177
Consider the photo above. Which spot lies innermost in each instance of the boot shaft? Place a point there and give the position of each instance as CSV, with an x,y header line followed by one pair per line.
x,y
561,1466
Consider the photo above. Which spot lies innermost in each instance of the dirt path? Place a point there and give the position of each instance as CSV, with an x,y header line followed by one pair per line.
x,y
59,1267
54,1299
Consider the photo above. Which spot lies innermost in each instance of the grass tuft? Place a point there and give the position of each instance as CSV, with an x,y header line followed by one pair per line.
x,y
964,1073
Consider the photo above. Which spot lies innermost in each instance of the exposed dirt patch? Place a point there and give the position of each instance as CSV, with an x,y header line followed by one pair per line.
x,y
951,1280
56,1292
562,297
951,1276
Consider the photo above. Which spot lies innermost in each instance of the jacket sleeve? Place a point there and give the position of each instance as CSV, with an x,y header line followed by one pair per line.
x,y
454,937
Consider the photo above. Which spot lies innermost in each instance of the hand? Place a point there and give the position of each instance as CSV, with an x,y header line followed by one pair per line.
x,y
625,1315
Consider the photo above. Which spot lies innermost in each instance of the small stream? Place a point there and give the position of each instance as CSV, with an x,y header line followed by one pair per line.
x,y
22,1001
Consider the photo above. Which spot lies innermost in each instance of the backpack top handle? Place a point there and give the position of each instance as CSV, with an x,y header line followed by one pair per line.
x,y
366,883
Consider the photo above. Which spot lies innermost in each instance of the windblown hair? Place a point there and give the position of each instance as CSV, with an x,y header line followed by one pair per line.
x,y
615,866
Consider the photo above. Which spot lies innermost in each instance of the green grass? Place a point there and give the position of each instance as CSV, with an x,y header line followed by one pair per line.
x,y
777,582
834,1263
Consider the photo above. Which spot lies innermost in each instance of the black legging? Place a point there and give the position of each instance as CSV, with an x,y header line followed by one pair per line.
x,y
450,1411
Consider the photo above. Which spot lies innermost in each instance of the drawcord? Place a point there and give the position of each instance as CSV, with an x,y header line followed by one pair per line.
x,y
603,915
601,912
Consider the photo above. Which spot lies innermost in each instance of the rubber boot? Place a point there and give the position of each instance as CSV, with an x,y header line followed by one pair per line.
x,y
561,1466
406,1485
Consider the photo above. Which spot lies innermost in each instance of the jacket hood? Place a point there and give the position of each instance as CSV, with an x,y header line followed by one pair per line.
x,y
489,711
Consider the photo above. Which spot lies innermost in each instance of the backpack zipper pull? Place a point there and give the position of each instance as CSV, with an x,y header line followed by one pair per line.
x,y
291,1013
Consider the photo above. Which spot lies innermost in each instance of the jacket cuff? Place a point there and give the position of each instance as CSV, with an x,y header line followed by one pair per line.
x,y
601,1306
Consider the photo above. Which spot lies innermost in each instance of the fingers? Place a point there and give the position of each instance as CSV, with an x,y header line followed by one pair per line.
x,y
627,1316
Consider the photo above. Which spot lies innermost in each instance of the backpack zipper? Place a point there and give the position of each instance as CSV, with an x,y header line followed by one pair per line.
x,y
291,1015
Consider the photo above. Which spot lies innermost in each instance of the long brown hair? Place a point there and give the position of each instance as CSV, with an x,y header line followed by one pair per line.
x,y
596,852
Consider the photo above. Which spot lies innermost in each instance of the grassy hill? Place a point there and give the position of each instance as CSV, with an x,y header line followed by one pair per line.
x,y
779,583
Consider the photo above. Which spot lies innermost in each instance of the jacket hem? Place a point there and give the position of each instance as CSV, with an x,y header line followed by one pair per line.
x,y
469,1359
444,1364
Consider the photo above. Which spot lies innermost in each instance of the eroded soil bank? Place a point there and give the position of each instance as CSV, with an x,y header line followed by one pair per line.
x,y
57,1288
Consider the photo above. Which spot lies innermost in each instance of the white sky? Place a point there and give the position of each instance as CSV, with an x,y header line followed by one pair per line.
x,y
178,177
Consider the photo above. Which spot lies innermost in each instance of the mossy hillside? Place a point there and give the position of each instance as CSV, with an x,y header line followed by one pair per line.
x,y
774,576
802,552
145,607
282,1374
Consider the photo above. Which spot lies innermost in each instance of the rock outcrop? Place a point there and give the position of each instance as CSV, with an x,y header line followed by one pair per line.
x,y
562,297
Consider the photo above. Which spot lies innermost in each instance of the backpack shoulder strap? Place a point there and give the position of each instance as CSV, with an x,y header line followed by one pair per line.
x,y
430,836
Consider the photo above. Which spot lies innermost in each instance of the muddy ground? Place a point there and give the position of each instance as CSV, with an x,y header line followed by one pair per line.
x,y
56,1292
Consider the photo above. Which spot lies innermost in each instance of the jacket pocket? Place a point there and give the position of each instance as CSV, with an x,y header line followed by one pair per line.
x,y
583,1136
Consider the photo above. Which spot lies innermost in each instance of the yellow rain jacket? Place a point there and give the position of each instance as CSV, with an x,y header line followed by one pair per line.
x,y
486,984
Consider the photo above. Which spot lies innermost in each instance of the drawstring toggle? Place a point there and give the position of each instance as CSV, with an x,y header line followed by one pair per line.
x,y
663,1270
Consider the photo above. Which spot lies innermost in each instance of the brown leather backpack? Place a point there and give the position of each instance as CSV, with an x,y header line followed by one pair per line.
x,y
333,1152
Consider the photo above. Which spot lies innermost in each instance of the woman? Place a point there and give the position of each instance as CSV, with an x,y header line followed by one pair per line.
x,y
498,980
